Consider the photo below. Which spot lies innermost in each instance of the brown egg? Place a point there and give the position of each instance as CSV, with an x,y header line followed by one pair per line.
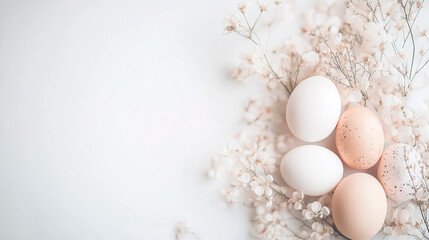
x,y
359,137
359,206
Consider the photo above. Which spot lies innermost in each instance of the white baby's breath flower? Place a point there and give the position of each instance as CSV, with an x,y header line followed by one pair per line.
x,y
258,190
227,195
404,216
242,5
311,58
421,31
324,212
354,96
388,230
399,222
321,231
263,5
232,22
402,53
308,214
245,177
315,209
422,195
255,59
296,201
183,233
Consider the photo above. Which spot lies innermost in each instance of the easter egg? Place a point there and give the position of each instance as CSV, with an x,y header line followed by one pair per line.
x,y
311,169
313,109
399,171
359,206
359,137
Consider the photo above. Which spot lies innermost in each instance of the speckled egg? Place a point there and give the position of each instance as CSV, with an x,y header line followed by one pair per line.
x,y
359,138
392,171
359,206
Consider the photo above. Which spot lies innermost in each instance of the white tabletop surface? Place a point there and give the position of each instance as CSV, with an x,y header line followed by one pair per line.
x,y
109,114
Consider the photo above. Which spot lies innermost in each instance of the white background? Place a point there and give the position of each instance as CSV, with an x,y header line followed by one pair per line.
x,y
110,112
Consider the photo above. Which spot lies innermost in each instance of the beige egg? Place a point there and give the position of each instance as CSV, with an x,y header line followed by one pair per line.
x,y
400,171
359,206
359,138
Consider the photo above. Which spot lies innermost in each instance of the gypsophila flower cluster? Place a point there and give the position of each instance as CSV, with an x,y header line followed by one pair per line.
x,y
183,233
399,221
376,53
315,209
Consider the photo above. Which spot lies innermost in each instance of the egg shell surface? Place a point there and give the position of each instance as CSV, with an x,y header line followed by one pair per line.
x,y
313,109
359,138
393,174
359,206
312,169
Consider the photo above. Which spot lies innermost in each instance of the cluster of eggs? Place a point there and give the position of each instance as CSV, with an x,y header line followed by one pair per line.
x,y
359,203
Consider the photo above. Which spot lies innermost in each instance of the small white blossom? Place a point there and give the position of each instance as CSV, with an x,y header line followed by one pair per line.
x,y
321,231
421,31
311,58
242,5
227,195
422,195
263,5
296,201
399,222
183,233
315,209
258,190
245,178
232,22
255,59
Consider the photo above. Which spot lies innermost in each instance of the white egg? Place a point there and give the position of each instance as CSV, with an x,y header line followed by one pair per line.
x,y
400,171
311,169
313,109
